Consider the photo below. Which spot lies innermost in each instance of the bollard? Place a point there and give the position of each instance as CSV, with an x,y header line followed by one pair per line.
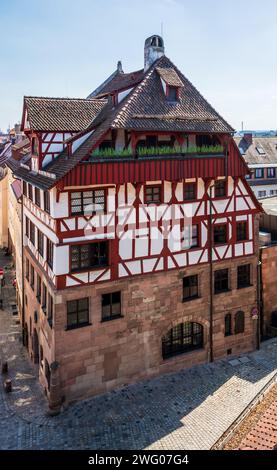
x,y
8,385
4,367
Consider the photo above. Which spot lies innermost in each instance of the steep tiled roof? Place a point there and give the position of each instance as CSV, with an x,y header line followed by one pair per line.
x,y
147,107
250,151
120,81
61,114
5,154
144,108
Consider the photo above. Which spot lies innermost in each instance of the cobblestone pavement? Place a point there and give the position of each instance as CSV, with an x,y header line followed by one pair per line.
x,y
185,410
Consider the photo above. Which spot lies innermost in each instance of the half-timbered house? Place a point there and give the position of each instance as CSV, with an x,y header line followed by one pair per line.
x,y
140,233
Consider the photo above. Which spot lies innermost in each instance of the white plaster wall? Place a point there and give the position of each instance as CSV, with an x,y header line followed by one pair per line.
x,y
61,260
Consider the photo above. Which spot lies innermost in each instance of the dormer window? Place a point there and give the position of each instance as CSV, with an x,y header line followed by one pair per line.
x,y
172,93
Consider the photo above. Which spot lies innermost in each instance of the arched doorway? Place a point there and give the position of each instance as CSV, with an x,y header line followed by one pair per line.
x,y
182,338
36,347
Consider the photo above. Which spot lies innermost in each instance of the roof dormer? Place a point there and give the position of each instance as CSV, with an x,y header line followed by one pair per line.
x,y
171,83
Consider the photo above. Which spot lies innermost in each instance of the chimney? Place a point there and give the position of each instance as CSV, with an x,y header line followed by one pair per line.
x,y
153,50
248,138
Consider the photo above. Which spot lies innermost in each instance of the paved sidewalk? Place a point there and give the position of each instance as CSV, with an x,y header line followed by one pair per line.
x,y
185,410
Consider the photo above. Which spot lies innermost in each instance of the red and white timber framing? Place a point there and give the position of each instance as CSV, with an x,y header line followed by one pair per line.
x,y
136,232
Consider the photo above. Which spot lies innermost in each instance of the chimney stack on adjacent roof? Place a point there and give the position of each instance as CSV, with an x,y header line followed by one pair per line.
x,y
248,138
153,50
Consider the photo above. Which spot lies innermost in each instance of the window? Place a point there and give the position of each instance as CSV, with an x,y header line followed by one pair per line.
x,y
34,146
273,192
153,195
239,322
46,199
89,255
182,338
32,233
27,227
259,173
40,243
27,267
88,202
50,310
50,252
38,288
77,313
260,150
37,196
190,191
206,140
190,287
220,234
220,188
241,231
191,237
271,172
244,276
32,279
24,190
221,281
30,191
228,324
44,298
261,193
111,306
172,93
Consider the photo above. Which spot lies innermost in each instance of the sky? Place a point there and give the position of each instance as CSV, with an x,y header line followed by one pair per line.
x,y
67,48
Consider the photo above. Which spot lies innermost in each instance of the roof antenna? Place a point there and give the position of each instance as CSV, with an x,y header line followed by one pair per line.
x,y
162,29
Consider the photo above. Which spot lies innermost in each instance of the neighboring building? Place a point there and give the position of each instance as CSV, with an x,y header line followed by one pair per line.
x,y
260,153
4,155
268,258
140,233
21,153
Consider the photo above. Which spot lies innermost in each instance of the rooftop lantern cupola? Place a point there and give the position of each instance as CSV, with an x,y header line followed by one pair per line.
x,y
153,50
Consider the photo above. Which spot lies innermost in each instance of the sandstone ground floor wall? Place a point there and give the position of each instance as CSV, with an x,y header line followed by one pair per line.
x,y
104,355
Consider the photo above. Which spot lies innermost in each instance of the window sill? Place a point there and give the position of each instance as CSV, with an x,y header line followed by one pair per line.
x,y
91,268
223,292
189,299
244,287
104,320
76,327
184,353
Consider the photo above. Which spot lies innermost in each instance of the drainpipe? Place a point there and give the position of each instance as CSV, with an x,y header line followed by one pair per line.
x,y
22,275
259,298
211,274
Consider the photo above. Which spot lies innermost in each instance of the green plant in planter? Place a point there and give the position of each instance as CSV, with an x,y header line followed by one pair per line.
x,y
148,151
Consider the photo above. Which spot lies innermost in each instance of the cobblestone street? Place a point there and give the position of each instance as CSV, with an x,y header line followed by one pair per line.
x,y
186,410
